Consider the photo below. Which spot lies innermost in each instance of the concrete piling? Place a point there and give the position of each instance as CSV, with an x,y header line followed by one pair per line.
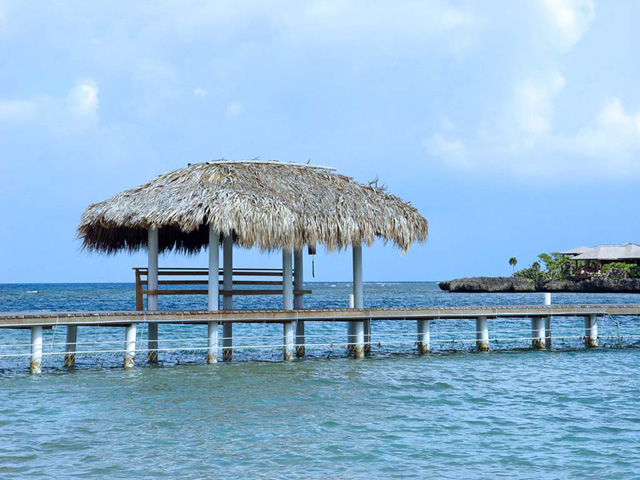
x,y
358,332
36,350
424,337
212,342
288,341
482,334
130,345
591,331
547,322
350,326
537,333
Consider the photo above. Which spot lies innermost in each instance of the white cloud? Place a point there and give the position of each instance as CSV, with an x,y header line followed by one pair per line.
x,y
451,148
533,109
519,135
234,109
82,100
17,111
613,135
199,92
568,20
370,21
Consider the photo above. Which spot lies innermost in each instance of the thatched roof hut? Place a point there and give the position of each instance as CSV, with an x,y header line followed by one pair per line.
x,y
267,205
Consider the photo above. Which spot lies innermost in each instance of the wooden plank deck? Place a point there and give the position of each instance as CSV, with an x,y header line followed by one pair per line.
x,y
121,318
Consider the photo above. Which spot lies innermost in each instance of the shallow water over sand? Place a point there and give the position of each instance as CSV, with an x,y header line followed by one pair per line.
x,y
517,414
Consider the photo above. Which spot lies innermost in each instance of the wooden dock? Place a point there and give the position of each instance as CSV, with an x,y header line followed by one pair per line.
x,y
358,340
123,318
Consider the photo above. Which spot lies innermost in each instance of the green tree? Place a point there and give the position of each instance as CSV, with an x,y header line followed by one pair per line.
x,y
513,261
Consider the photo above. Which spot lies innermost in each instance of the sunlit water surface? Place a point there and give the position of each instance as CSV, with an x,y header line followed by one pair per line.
x,y
513,414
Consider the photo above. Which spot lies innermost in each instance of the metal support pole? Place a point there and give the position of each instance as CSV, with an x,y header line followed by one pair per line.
x,y
350,328
36,350
152,284
213,294
591,331
537,333
298,299
70,347
358,330
547,322
288,334
227,301
424,336
130,345
482,334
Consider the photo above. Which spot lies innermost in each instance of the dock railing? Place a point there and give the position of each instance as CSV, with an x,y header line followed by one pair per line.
x,y
192,277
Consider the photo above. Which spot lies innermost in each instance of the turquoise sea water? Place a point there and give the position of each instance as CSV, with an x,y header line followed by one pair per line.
x,y
509,414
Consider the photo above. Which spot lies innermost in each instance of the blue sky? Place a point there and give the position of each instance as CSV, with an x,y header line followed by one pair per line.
x,y
514,127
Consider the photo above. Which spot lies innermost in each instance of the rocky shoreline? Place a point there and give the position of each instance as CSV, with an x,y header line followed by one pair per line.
x,y
521,285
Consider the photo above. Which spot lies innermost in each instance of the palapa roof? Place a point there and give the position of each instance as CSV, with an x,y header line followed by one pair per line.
x,y
628,251
268,205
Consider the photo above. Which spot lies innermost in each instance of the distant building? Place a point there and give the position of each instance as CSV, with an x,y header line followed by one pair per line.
x,y
589,261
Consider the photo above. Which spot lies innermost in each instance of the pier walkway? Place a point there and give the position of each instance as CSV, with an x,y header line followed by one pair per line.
x,y
358,339
122,318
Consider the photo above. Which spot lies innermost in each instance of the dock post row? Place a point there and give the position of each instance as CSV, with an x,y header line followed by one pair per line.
x,y
289,317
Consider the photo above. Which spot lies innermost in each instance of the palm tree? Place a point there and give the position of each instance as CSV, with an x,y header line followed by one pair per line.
x,y
513,261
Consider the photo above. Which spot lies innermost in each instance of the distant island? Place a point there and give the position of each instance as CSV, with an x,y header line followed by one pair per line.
x,y
600,269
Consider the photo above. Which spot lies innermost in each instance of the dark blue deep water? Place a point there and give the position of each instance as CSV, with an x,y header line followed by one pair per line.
x,y
511,413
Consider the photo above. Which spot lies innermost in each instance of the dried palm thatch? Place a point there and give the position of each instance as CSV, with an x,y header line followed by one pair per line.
x,y
268,205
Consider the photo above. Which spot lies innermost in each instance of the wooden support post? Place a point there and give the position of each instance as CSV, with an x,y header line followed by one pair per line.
x,y
298,299
287,279
152,342
358,297
152,299
227,300
357,277
130,345
71,346
358,330
350,328
139,296
424,336
152,267
35,366
227,341
287,302
482,334
213,294
591,331
288,336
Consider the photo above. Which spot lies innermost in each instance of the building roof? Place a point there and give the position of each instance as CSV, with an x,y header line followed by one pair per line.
x,y
576,251
268,205
628,251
